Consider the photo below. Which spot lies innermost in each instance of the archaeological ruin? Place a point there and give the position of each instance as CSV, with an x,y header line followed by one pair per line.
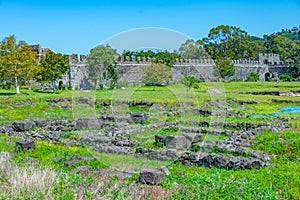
x,y
268,66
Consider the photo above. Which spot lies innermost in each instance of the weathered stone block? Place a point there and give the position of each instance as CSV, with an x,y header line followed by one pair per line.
x,y
138,117
70,163
171,154
100,140
123,142
160,138
89,123
203,112
151,177
176,142
22,125
192,138
221,161
254,163
41,122
24,145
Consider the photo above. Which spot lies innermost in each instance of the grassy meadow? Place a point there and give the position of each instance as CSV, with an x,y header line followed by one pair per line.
x,y
35,175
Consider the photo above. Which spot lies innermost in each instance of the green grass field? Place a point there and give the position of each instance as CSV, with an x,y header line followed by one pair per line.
x,y
34,175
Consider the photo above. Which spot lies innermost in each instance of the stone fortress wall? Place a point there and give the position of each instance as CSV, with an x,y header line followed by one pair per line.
x,y
129,68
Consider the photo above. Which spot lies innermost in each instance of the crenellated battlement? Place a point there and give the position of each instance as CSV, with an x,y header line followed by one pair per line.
x,y
40,51
261,60
75,59
133,60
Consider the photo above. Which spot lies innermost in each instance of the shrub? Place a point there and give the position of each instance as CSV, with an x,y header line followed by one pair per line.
x,y
189,82
196,86
224,67
253,77
285,77
156,74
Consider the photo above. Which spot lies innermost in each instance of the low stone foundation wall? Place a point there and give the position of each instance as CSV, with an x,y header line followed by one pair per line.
x,y
220,161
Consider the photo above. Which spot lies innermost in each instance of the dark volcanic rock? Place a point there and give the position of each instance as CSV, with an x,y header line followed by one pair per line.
x,y
160,138
220,161
70,163
22,125
5,129
24,145
138,117
203,112
41,122
176,142
151,177
89,123
192,137
247,102
123,142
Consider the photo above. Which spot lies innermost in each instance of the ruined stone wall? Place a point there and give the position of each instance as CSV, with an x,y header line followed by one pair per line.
x,y
130,72
205,72
279,70
129,69
77,76
242,72
269,59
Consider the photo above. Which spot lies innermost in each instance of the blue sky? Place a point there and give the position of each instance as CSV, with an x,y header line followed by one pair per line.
x,y
73,26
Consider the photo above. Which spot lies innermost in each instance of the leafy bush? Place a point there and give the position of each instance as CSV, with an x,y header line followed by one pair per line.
x,y
285,77
253,77
189,82
156,74
196,86
224,67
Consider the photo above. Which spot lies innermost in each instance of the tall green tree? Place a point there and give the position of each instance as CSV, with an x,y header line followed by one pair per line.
x,y
188,82
141,53
18,63
295,67
256,47
283,46
53,67
227,41
193,50
101,66
156,74
288,50
166,58
224,67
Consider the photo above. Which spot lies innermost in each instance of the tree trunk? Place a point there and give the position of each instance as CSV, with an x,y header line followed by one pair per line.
x,y
17,85
96,84
53,86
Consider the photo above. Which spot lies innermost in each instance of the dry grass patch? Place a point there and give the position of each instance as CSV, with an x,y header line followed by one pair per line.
x,y
16,180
